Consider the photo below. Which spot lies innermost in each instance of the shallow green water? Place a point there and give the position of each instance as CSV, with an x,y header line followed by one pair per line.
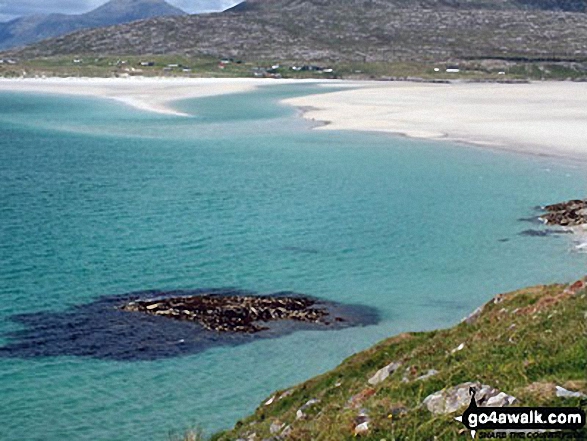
x,y
97,198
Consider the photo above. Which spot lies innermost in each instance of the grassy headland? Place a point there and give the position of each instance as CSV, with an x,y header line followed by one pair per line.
x,y
524,343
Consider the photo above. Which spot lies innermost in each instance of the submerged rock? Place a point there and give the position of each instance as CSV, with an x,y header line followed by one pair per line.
x,y
544,233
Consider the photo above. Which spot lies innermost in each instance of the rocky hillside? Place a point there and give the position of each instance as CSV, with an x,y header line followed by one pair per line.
x,y
348,30
25,30
547,5
526,348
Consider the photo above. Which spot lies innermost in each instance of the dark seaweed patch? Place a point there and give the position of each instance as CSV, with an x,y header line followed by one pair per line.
x,y
101,330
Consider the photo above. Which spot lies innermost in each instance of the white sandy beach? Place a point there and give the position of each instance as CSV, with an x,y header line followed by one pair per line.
x,y
151,94
547,118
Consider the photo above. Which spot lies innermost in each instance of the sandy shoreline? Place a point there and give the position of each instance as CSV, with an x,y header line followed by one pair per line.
x,y
150,94
548,118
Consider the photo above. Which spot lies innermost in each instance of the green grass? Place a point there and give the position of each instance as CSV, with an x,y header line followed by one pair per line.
x,y
202,66
524,345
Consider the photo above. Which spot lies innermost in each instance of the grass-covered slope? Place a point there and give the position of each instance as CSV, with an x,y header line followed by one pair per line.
x,y
523,343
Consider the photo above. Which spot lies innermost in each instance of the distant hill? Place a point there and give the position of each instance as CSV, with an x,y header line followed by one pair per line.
x,y
348,31
26,30
548,5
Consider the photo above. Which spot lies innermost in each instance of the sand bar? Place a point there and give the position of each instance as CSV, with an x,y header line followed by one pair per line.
x,y
151,94
547,118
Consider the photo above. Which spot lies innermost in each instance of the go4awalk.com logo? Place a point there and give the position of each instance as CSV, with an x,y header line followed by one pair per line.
x,y
523,422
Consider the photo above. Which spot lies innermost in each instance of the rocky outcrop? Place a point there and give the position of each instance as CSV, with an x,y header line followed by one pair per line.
x,y
474,316
241,314
362,423
576,287
566,214
382,374
356,400
452,399
565,393
428,374
301,412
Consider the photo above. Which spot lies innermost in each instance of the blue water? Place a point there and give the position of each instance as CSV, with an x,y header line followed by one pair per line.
x,y
100,199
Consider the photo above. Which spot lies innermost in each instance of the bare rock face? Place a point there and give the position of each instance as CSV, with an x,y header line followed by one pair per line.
x,y
576,287
566,214
452,399
472,318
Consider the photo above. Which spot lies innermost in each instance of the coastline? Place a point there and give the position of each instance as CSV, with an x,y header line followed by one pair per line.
x,y
539,118
349,389
148,94
546,119
412,385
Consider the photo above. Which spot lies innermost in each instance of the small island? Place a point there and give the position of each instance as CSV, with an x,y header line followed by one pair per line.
x,y
235,313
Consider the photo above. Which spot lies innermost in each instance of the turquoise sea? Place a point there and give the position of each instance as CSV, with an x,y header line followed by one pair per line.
x,y
97,199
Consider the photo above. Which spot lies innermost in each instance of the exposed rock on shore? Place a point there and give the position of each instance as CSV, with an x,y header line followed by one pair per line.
x,y
454,398
566,214
241,314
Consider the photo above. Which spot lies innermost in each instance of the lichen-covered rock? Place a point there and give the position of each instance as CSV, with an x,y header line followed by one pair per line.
x,y
428,374
357,399
287,431
382,374
472,318
276,427
452,399
300,412
361,429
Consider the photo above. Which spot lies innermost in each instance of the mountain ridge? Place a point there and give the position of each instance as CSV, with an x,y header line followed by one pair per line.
x,y
547,5
347,31
30,29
